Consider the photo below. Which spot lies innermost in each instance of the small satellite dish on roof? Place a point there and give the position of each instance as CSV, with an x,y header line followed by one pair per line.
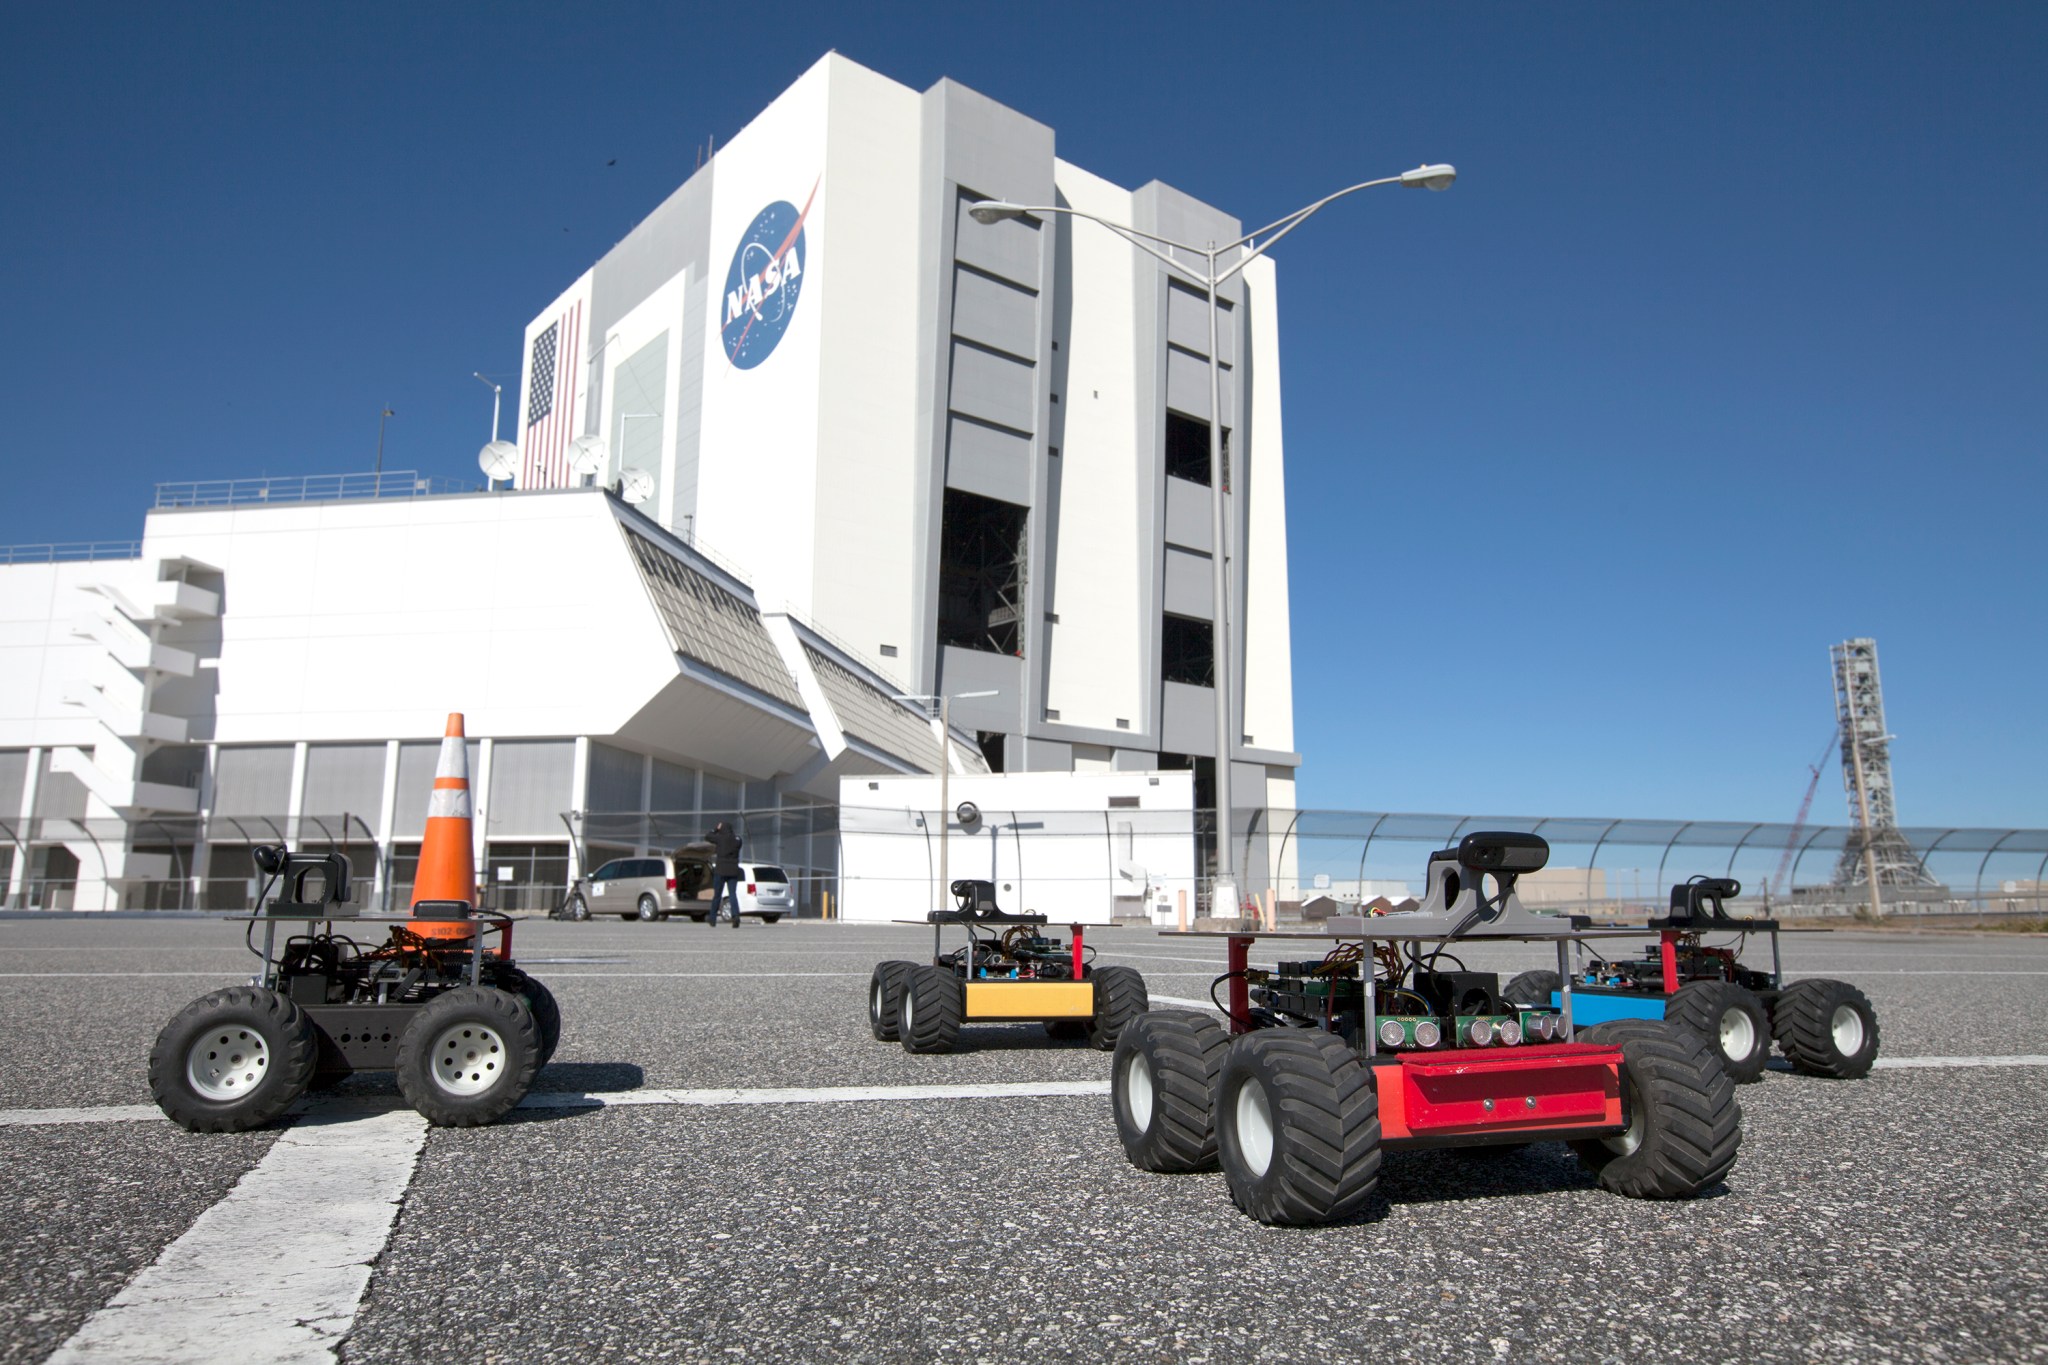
x,y
587,456
636,485
498,460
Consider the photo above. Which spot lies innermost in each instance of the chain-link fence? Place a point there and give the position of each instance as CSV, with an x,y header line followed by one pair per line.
x,y
1113,863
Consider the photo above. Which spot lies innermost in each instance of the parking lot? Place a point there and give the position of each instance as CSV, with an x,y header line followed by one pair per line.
x,y
721,1164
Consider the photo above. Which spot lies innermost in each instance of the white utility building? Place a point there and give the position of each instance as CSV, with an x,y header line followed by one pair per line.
x,y
874,447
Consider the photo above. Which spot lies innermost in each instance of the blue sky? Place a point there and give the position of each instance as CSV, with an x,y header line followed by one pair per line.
x,y
1728,344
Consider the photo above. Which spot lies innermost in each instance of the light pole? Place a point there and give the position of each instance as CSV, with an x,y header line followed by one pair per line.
x,y
497,391
626,417
1211,278
945,701
382,417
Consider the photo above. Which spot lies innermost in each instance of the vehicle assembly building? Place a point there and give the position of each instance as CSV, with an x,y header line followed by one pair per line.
x,y
809,441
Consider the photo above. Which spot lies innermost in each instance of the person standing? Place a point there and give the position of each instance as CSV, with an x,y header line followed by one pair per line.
x,y
725,870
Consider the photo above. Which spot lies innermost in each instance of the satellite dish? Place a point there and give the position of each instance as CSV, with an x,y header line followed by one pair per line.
x,y
636,485
587,455
498,460
968,814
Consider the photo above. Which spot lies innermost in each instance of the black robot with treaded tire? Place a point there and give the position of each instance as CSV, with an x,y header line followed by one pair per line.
x,y
450,1012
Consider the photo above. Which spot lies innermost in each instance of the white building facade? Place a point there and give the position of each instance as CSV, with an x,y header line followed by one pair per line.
x,y
977,454
878,448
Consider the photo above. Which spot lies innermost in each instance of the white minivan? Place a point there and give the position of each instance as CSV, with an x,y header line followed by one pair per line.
x,y
764,892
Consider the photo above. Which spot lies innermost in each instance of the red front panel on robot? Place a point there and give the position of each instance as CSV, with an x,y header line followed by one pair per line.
x,y
1543,1090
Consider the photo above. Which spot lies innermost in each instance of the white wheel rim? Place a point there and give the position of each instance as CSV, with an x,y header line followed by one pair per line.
x,y
1626,1143
905,1013
1138,1092
1848,1030
1254,1127
875,1002
468,1058
1738,1034
227,1063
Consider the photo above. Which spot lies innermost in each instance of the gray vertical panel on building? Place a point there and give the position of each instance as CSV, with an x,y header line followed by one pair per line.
x,y
721,797
531,784
59,796
1190,589
614,780
13,783
417,763
992,461
1009,248
252,780
675,236
344,779
1187,386
975,670
1048,756
639,413
175,765
1187,719
1187,514
995,388
682,513
675,787
1187,322
995,313
1134,761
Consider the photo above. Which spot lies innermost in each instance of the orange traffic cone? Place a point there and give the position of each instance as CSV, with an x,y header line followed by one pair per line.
x,y
447,870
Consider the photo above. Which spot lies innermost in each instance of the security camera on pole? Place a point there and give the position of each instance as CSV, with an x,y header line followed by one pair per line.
x,y
1223,894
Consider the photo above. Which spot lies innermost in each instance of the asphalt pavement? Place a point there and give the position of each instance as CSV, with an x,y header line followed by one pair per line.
x,y
1896,1217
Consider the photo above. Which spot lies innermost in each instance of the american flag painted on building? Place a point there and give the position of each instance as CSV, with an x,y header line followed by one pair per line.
x,y
551,402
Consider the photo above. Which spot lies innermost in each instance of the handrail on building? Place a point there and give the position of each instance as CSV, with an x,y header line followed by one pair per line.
x,y
295,488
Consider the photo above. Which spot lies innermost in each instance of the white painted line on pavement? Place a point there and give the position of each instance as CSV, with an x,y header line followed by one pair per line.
x,y
552,976
233,1287
1915,1063
831,1094
102,1113
1182,1001
20,976
695,976
328,1110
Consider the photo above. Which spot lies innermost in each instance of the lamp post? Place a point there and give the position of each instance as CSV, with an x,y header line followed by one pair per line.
x,y
626,417
382,418
497,392
1211,276
945,701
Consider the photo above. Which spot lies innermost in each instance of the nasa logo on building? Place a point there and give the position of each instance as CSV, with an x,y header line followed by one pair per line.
x,y
764,283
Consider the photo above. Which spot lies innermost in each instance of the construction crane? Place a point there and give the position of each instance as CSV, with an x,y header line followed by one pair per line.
x,y
1778,886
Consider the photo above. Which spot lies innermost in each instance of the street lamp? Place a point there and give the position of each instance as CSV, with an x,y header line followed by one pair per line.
x,y
497,391
945,701
382,418
1250,247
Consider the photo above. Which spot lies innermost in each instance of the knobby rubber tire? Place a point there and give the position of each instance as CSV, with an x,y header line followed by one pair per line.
x,y
1684,1120
1702,1006
885,994
1532,989
1803,1024
506,1015
287,1036
1182,1054
547,1015
930,1010
1324,1108
1120,997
